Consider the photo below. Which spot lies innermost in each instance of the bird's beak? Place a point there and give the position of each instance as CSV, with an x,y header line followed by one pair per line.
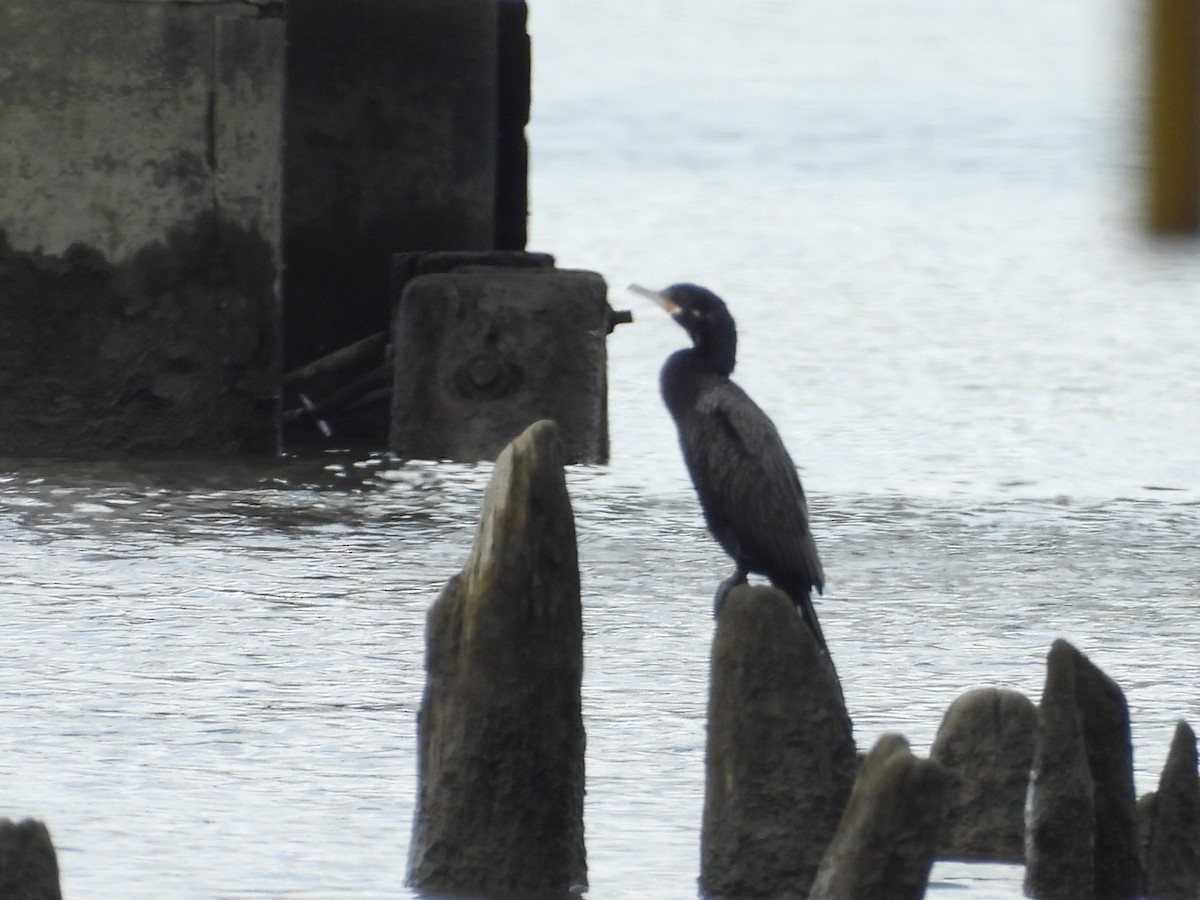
x,y
657,296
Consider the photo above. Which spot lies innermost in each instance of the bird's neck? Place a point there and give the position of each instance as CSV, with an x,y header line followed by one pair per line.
x,y
685,375
716,356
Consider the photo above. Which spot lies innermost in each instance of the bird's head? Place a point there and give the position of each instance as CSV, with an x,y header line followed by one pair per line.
x,y
703,316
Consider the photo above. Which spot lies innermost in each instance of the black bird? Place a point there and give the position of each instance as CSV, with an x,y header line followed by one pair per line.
x,y
746,482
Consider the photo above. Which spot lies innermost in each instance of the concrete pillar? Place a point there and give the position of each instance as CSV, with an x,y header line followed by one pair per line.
x,y
391,146
139,226
482,352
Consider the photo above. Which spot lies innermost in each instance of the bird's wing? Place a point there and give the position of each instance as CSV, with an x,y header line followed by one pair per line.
x,y
748,485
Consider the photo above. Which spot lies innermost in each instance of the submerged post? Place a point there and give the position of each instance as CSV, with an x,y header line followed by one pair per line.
x,y
500,731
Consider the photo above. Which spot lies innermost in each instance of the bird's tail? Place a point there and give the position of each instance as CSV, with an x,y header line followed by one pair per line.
x,y
801,595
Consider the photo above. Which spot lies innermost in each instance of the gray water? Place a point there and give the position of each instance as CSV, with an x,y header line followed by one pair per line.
x,y
924,219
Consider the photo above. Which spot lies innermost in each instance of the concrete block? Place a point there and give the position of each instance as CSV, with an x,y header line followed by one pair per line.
x,y
481,353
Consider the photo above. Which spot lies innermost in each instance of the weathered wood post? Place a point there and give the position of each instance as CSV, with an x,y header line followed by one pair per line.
x,y
28,864
986,743
500,731
780,758
1059,827
887,838
139,226
1171,823
1081,821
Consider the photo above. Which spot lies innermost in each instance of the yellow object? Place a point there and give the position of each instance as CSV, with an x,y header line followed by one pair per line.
x,y
1173,167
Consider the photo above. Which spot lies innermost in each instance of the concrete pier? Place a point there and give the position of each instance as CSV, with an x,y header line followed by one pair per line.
x,y
391,146
139,226
514,58
156,176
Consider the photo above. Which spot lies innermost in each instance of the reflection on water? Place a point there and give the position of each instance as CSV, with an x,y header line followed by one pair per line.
x,y
919,216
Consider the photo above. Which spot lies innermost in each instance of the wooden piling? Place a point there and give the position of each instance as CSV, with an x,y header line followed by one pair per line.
x,y
780,759
500,731
1081,820
1171,829
886,841
986,742
28,863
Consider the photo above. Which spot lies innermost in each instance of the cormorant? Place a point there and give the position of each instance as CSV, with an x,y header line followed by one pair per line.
x,y
746,482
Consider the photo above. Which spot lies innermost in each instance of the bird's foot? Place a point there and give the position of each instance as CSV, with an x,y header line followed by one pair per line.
x,y
737,578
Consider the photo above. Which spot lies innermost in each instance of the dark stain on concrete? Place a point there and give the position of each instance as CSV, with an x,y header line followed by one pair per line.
x,y
175,350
